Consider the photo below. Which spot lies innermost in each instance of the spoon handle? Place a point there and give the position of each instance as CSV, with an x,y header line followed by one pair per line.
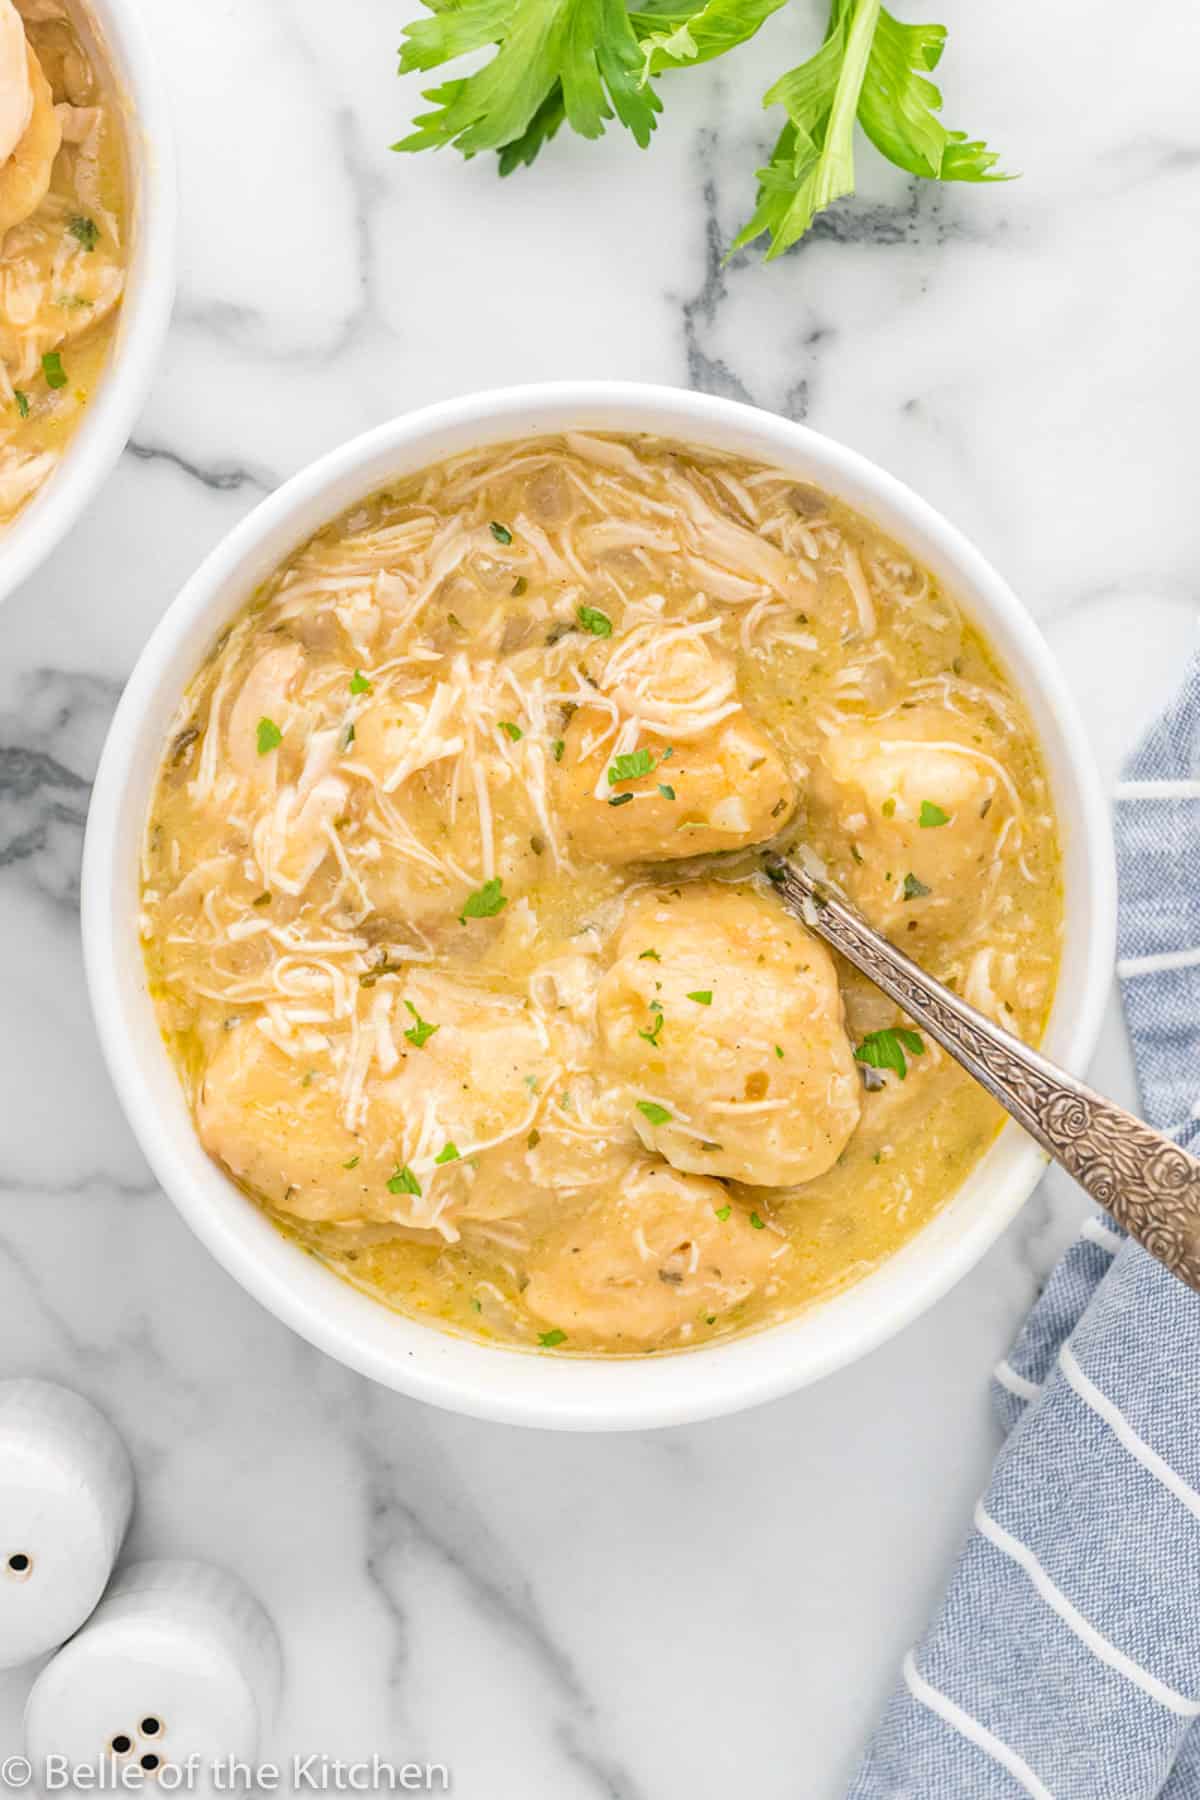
x,y
1149,1185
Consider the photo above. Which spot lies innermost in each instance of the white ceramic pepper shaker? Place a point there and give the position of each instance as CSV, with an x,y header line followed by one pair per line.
x,y
178,1662
66,1493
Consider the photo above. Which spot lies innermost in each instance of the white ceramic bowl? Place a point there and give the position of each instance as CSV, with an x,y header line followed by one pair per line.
x,y
532,1388
124,52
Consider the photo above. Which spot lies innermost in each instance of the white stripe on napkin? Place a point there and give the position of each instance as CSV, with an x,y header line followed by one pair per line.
x,y
1167,789
973,1731
1020,1385
1159,963
1096,1232
1123,1430
1083,1628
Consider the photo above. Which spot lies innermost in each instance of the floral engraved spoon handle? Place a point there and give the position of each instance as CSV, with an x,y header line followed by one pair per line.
x,y
1149,1185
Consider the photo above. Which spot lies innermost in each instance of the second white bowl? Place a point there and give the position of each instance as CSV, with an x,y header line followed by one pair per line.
x,y
145,309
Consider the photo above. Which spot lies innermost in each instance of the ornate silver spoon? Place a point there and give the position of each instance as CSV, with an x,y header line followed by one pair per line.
x,y
1149,1185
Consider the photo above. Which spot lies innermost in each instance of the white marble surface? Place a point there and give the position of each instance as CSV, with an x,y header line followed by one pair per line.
x,y
703,1611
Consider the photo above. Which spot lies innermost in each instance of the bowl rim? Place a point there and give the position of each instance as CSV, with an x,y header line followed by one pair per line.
x,y
145,307
424,1361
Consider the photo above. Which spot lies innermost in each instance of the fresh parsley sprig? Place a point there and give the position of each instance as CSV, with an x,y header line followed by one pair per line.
x,y
582,62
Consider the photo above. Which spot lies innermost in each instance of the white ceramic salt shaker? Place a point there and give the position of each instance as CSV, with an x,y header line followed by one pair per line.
x,y
66,1493
179,1666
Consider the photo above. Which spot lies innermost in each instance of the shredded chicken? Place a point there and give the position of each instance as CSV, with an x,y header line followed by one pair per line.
x,y
452,909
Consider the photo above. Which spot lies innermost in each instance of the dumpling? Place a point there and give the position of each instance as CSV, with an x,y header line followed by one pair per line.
x,y
712,779
723,1018
26,170
279,1127
466,1077
403,762
655,1253
924,810
479,1068
726,789
291,834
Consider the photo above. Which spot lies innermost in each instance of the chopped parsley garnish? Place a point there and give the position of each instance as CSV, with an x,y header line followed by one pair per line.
x,y
269,736
668,753
485,902
888,809
22,401
534,1139
448,1152
652,1036
779,1051
351,1164
557,748
885,1049
404,1182
593,620
359,683
914,889
348,736
758,1224
702,996
550,1339
476,1304
619,799
723,1212
630,767
84,230
262,900
419,1034
511,731
649,956
666,790
52,369
932,815
657,1115
501,533
518,587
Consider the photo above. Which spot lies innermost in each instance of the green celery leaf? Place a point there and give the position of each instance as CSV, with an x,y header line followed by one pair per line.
x,y
540,129
454,30
680,37
578,55
813,161
899,105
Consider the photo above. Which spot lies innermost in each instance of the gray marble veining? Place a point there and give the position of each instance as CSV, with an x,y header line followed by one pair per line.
x,y
698,1612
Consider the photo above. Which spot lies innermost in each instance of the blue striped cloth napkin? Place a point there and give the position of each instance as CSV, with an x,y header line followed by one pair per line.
x,y
1065,1662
